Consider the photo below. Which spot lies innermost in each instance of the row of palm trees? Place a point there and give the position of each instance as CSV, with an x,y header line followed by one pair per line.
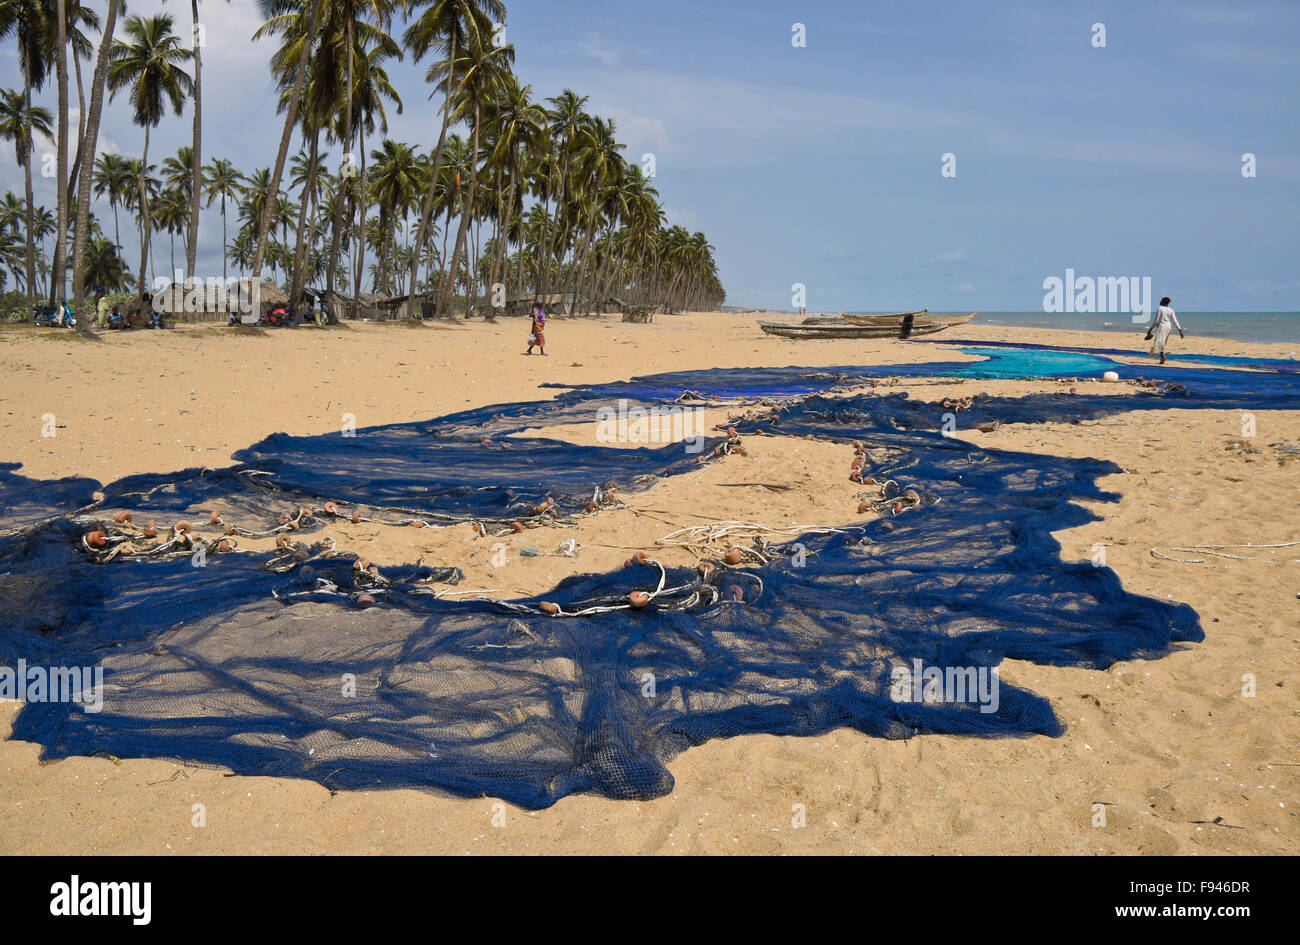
x,y
515,197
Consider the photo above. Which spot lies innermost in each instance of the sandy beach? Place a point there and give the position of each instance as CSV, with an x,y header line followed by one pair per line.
x,y
1179,759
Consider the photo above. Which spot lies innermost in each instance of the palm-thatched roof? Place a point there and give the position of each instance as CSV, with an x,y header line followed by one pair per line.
x,y
267,293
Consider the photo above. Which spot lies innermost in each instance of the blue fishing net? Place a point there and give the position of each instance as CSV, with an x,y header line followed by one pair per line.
x,y
1285,365
304,662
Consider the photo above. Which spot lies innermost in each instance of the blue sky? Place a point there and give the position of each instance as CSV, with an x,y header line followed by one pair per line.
x,y
821,165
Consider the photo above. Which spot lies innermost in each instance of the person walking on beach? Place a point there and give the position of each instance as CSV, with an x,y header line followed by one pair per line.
x,y
318,311
1164,322
537,333
101,310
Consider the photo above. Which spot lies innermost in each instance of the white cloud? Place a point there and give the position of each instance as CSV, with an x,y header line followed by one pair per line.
x,y
964,287
956,255
595,48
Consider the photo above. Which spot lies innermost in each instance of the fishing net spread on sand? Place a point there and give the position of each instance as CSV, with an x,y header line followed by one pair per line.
x,y
302,661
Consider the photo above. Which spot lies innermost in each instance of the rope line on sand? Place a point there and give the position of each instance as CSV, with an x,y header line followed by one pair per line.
x,y
1209,550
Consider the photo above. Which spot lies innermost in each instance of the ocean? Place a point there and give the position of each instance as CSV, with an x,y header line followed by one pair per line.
x,y
1241,326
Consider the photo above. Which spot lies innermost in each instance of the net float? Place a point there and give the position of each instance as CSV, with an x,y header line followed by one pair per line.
x,y
331,508
479,529
356,518
283,541
547,607
416,523
365,600
230,529
855,476
856,464
912,495
97,539
152,530
638,558
214,517
898,507
734,555
361,564
736,592
373,569
284,518
731,431
869,480
183,527
591,506
224,545
121,517
864,507
125,549
638,599
516,527
706,569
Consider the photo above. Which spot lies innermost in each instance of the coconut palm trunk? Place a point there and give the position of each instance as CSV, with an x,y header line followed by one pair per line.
x,y
426,203
86,159
298,282
58,276
196,175
346,170
463,230
30,208
146,222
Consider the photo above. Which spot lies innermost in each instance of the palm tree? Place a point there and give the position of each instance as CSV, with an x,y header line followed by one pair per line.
x,y
105,266
396,179
340,20
172,213
85,155
196,150
17,124
113,178
479,70
516,123
150,66
447,26
225,182
29,21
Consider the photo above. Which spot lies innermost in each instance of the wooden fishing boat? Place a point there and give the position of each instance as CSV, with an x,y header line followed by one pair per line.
x,y
895,318
918,319
843,330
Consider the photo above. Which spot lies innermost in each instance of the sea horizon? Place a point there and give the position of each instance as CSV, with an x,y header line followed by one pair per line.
x,y
1268,327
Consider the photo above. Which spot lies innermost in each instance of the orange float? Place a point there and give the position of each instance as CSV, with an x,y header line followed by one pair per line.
x,y
638,599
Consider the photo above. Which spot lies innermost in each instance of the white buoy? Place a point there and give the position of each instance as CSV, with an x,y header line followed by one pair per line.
x,y
1110,377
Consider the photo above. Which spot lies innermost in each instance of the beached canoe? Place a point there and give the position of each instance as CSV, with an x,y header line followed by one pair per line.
x,y
843,330
918,319
895,318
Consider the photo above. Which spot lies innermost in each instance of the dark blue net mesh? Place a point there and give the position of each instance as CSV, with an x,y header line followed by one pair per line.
x,y
298,662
